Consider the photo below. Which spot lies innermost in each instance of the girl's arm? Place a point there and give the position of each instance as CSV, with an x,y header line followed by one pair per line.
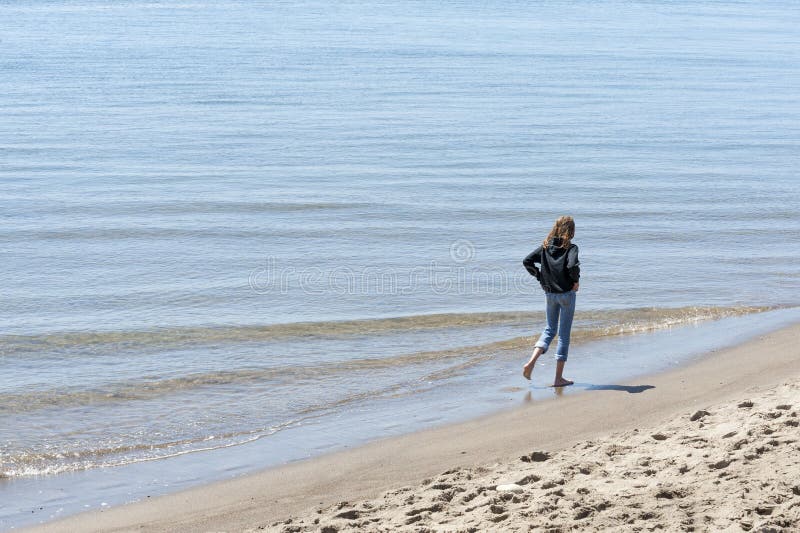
x,y
530,262
574,266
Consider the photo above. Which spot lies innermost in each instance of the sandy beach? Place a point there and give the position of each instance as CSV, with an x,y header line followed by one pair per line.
x,y
732,466
711,445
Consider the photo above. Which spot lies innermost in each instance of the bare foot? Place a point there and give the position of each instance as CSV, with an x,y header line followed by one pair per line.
x,y
562,383
527,369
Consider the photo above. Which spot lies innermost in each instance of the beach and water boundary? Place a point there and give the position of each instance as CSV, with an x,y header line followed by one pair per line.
x,y
411,361
604,364
748,366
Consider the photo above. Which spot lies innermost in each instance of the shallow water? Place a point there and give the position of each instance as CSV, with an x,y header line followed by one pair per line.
x,y
222,220
616,362
213,388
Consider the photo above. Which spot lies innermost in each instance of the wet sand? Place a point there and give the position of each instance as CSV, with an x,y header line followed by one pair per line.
x,y
642,454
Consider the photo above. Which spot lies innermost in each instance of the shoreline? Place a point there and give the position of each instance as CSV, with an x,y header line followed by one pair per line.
x,y
366,471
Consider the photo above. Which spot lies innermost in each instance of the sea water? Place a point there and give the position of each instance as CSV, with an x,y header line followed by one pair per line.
x,y
227,221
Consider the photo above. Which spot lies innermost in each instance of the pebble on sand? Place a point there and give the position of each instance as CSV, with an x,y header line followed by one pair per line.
x,y
509,487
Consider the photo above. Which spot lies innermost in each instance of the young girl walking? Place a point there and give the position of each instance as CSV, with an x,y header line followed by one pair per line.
x,y
558,272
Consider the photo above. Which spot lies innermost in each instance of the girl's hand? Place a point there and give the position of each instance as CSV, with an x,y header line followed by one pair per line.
x,y
576,286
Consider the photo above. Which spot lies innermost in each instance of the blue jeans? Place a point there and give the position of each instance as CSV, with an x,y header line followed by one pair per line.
x,y
562,304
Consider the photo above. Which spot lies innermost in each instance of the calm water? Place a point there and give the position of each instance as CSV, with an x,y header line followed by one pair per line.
x,y
222,221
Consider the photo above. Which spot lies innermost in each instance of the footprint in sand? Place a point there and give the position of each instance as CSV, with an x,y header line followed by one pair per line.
x,y
535,457
531,478
497,509
435,508
469,497
446,496
722,463
352,514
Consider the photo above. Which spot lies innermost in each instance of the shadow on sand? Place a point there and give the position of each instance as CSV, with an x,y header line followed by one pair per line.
x,y
630,389
559,391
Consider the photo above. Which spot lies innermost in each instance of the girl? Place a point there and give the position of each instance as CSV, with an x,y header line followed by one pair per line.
x,y
558,273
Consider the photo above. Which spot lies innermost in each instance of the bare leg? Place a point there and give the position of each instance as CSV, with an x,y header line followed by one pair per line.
x,y
528,368
560,381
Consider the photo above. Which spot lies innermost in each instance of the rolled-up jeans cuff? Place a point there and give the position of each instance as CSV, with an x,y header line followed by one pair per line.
x,y
541,345
561,357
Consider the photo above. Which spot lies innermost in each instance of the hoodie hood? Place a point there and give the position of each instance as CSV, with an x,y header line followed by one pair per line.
x,y
554,247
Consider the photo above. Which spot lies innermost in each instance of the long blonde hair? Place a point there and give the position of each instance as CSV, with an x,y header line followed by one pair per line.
x,y
563,229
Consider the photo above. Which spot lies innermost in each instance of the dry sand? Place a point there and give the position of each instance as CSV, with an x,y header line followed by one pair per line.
x,y
733,466
641,455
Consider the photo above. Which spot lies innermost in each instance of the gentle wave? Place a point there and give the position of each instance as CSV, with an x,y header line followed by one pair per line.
x,y
227,232
164,232
29,463
189,336
205,207
589,326
625,320
36,461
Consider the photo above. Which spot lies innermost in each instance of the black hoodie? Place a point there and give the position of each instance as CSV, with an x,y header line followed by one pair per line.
x,y
559,267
